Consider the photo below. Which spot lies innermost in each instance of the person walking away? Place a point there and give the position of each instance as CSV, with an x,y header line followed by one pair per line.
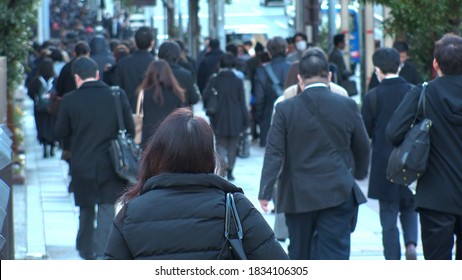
x,y
265,93
379,105
88,115
41,87
336,57
101,54
130,70
162,95
209,64
317,166
439,190
232,117
177,191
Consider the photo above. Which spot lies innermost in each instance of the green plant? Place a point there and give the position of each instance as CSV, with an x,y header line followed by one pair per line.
x,y
421,23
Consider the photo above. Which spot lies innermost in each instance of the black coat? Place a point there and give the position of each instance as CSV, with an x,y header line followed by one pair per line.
x,y
207,67
88,116
440,187
155,113
101,54
264,94
408,72
184,78
65,82
130,71
312,173
387,96
232,116
336,57
181,216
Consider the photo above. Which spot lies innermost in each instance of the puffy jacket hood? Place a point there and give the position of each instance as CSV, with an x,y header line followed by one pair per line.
x,y
449,89
167,180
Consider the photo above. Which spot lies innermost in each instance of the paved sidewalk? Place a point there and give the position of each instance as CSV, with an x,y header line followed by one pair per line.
x,y
46,219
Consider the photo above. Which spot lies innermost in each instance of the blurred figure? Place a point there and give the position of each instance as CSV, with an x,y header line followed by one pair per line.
x,y
88,115
379,104
185,60
119,52
265,93
101,54
170,52
336,57
232,116
129,71
209,64
177,190
439,190
44,120
300,46
162,95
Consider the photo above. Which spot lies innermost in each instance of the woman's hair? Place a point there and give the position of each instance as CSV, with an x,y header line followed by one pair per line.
x,y
183,143
46,69
159,76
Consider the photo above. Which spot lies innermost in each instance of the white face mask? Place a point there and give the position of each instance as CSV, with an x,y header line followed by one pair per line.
x,y
301,45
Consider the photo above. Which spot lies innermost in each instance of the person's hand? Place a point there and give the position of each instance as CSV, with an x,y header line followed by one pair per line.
x,y
264,205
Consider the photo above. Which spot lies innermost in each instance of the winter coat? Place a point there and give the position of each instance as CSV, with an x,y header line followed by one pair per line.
x,y
181,216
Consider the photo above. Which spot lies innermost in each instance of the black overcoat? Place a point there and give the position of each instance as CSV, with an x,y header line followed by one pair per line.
x,y
88,115
387,96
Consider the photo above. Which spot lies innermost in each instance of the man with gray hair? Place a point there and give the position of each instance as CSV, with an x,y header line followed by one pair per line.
x,y
269,84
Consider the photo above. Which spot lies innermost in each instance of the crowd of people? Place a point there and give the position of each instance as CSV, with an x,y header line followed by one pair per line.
x,y
317,142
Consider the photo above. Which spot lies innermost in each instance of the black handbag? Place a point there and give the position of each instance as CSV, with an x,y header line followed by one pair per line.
x,y
123,151
232,248
408,161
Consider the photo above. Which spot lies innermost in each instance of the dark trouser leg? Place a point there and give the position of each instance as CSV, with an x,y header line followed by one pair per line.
x,y
301,230
220,147
333,231
437,234
232,151
85,235
390,234
105,216
265,124
459,238
408,217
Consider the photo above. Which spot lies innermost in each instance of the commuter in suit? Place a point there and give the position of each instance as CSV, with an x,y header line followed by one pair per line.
x,y
209,64
88,115
336,57
170,52
317,189
130,70
378,107
439,190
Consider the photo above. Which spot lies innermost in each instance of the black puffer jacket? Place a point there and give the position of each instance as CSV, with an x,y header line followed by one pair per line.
x,y
181,216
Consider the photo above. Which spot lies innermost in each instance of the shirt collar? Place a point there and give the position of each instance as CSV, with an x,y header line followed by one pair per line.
x,y
316,85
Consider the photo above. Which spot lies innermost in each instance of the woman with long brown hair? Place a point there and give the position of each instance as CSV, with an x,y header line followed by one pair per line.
x,y
177,208
161,95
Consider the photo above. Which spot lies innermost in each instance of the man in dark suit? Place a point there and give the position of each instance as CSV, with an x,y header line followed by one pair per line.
x,y
379,105
336,57
317,189
130,70
88,115
170,52
209,64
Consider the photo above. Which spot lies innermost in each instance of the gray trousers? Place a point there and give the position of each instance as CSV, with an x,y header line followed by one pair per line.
x,y
227,149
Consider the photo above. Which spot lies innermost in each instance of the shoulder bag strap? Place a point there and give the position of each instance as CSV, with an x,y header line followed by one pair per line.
x,y
232,216
271,74
421,104
139,104
116,93
324,127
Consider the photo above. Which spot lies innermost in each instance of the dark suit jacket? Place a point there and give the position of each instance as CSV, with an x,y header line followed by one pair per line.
x,y
88,116
129,73
207,67
336,58
184,78
386,98
440,187
312,174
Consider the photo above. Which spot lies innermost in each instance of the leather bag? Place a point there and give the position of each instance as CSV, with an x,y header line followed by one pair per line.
x,y
232,248
138,118
408,161
123,151
211,106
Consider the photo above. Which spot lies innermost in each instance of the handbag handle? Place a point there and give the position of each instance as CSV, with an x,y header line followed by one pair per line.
x,y
116,93
231,213
139,103
420,103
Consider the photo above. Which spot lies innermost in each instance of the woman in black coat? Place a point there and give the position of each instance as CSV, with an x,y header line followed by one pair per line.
x,y
177,209
161,95
44,120
232,116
